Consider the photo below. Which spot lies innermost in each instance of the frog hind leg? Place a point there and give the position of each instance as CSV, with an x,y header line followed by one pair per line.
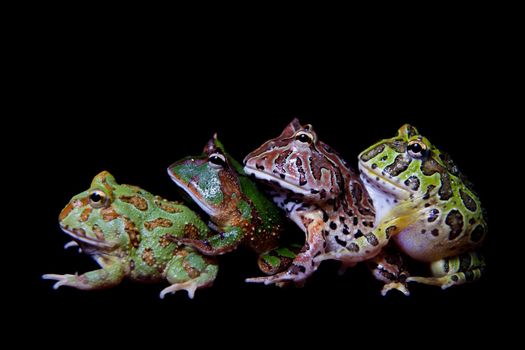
x,y
467,267
389,268
189,270
304,264
110,275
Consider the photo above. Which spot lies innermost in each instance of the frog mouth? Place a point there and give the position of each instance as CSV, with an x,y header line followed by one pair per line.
x,y
186,188
80,235
375,178
275,180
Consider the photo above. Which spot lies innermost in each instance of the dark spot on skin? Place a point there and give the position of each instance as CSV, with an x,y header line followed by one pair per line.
x,y
282,176
433,215
374,166
342,219
260,167
400,164
398,145
455,221
430,188
446,266
325,216
340,242
468,201
326,233
464,262
312,191
372,153
477,234
390,231
412,182
296,269
445,191
358,234
384,158
372,239
356,221
427,205
454,278
435,232
423,231
353,247
333,225
346,232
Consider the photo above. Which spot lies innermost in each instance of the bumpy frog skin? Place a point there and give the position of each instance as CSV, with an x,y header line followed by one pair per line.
x,y
428,206
322,195
129,233
239,213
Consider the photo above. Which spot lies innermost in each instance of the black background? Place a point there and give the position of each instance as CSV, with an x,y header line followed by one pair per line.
x,y
134,105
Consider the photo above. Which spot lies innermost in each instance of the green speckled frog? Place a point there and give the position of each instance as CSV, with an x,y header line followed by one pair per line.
x,y
129,233
426,205
239,213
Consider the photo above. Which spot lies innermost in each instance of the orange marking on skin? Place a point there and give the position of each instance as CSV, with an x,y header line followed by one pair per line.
x,y
65,212
109,214
164,241
138,202
148,257
158,222
85,214
191,231
133,233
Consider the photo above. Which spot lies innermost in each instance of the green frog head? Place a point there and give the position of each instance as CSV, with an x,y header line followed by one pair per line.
x,y
90,217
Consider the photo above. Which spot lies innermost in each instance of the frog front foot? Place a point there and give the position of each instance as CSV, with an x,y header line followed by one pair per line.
x,y
63,280
389,268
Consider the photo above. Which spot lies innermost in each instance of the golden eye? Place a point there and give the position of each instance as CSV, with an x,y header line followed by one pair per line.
x,y
217,160
417,149
97,199
304,137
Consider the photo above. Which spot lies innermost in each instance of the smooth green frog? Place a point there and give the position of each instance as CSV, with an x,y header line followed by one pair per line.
x,y
426,205
239,213
130,233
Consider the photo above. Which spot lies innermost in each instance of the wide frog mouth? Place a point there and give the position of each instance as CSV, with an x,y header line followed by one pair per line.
x,y
79,235
274,180
383,183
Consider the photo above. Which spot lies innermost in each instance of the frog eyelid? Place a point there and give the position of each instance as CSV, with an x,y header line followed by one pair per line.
x,y
217,160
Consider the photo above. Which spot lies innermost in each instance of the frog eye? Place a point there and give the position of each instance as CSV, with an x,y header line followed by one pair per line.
x,y
304,137
217,160
97,199
417,149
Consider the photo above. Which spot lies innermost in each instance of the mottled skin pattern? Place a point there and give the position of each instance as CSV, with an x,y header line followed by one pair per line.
x,y
239,213
427,205
322,195
129,233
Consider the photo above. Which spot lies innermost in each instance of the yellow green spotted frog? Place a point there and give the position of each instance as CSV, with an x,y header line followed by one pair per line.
x,y
130,233
427,206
